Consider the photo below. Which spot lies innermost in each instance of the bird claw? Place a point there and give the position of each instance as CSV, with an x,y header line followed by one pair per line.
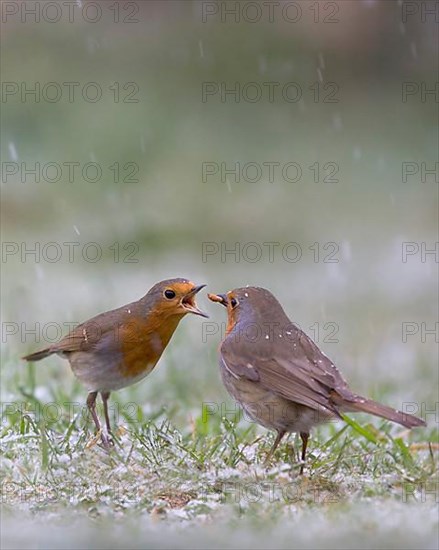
x,y
268,460
107,441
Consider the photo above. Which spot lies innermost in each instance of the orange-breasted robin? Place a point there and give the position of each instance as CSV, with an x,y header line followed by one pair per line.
x,y
120,347
278,374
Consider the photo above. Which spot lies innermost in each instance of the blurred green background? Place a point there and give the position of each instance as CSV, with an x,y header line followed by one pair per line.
x,y
365,52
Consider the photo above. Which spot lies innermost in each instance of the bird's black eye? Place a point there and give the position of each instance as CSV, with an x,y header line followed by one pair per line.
x,y
233,302
169,294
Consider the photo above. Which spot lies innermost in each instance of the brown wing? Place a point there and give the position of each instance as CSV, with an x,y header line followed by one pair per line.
x,y
300,373
91,335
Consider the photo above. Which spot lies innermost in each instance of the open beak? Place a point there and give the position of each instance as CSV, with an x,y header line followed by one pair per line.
x,y
220,298
189,304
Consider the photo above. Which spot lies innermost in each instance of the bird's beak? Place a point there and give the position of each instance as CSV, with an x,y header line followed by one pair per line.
x,y
188,302
220,298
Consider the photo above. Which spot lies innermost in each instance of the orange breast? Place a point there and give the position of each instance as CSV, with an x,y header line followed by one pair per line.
x,y
143,342
231,321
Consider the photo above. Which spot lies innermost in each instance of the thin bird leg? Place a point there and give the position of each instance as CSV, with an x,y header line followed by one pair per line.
x,y
105,396
91,404
275,445
304,436
106,439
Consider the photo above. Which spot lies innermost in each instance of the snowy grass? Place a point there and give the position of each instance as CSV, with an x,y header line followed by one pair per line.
x,y
196,485
202,476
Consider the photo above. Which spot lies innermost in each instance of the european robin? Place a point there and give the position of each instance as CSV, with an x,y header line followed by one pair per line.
x,y
278,374
120,347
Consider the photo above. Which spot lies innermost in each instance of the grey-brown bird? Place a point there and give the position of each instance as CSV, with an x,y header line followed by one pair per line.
x,y
278,374
120,347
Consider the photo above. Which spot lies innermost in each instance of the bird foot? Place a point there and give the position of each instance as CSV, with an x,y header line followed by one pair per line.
x,y
107,441
102,439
